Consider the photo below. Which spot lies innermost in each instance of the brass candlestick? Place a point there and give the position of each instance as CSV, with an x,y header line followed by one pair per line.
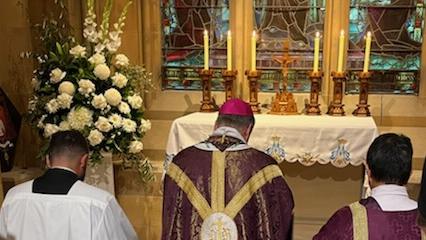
x,y
336,106
362,108
206,103
253,77
313,106
228,80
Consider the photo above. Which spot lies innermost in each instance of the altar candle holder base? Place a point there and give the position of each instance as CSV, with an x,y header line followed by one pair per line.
x,y
313,106
206,103
362,108
253,77
336,106
228,81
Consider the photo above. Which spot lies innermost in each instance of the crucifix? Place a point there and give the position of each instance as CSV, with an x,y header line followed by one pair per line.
x,y
284,103
285,60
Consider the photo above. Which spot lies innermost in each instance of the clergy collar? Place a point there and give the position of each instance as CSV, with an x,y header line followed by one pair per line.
x,y
392,197
63,168
228,131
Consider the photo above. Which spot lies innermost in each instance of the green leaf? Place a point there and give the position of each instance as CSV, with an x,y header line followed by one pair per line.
x,y
59,48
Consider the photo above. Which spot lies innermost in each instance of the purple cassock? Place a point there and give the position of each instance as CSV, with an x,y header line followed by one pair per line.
x,y
387,225
256,197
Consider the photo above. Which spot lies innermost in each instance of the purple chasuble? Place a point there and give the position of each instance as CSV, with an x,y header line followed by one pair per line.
x,y
267,215
395,225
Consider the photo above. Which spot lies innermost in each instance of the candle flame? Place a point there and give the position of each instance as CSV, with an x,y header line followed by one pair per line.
x,y
368,34
205,32
317,34
254,33
342,32
229,32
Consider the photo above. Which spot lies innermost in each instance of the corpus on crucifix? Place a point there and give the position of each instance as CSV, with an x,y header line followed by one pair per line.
x,y
284,103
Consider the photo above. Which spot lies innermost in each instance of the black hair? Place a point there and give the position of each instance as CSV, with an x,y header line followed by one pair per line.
x,y
71,144
389,158
238,122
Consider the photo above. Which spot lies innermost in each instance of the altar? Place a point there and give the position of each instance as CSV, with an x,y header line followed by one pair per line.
x,y
339,141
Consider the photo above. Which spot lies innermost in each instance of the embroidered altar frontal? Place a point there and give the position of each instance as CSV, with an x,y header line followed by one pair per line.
x,y
339,141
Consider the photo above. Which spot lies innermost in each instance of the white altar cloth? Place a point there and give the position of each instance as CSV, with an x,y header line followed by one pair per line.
x,y
306,139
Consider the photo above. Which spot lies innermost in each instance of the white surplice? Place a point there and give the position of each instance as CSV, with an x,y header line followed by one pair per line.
x,y
85,213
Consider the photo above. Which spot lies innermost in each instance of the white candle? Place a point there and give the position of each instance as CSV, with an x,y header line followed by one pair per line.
x,y
367,52
341,47
316,51
253,51
229,52
206,50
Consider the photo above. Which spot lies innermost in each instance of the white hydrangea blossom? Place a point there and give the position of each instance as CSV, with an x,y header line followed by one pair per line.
x,y
64,101
99,102
86,87
135,101
52,106
78,51
121,60
129,125
97,59
119,80
135,147
79,118
95,137
56,75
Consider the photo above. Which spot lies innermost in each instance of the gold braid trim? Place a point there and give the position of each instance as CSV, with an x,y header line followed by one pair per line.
x,y
218,182
194,196
246,192
359,221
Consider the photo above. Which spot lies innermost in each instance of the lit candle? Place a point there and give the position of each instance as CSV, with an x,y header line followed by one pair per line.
x,y
316,51
367,52
253,51
206,50
229,52
341,47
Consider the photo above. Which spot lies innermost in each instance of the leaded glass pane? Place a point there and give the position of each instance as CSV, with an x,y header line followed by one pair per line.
x,y
397,35
295,21
184,22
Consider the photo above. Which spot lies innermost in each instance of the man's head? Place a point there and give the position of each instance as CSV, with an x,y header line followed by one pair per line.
x,y
68,149
389,159
237,114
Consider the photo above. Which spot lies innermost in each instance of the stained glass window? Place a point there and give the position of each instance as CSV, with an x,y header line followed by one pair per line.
x,y
184,22
397,34
292,23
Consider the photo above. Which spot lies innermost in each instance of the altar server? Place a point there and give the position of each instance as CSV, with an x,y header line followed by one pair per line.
x,y
389,213
58,205
224,189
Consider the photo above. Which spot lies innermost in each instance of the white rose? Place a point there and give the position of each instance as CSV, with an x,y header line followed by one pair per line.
x,y
116,120
135,147
52,106
145,126
86,86
80,118
97,59
113,96
129,125
78,51
102,71
121,60
56,75
99,102
135,101
50,129
103,124
66,87
95,137
124,108
64,101
64,125
119,80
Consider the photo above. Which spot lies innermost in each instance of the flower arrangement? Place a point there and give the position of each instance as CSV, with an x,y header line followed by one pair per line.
x,y
91,88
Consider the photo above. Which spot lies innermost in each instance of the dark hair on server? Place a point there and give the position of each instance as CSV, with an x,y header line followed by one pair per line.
x,y
389,158
69,143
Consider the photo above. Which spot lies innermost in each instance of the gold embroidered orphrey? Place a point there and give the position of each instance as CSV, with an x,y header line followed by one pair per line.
x,y
360,222
218,223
